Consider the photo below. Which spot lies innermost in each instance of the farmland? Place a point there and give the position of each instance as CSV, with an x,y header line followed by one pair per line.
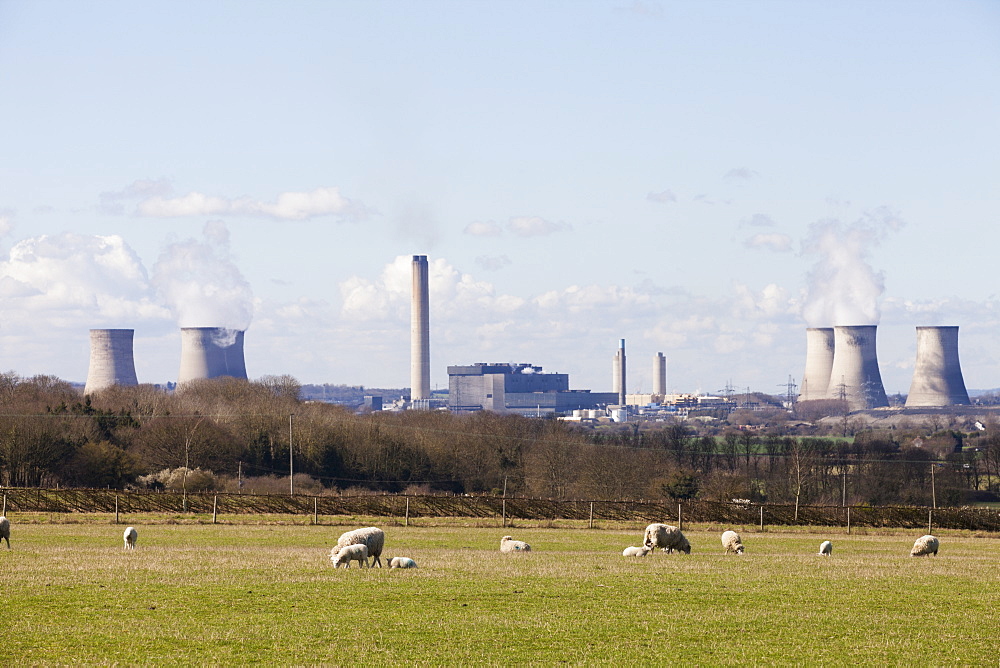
x,y
266,593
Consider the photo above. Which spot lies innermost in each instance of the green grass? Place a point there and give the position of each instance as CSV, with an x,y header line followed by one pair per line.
x,y
239,594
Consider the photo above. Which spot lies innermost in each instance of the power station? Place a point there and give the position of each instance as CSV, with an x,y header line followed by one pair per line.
x,y
618,373
111,359
937,375
211,352
420,339
659,374
517,388
854,374
819,363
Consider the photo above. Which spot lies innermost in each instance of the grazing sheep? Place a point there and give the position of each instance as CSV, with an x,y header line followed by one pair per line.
x,y
131,535
925,545
371,537
5,530
826,548
667,537
508,544
636,551
731,541
401,562
345,555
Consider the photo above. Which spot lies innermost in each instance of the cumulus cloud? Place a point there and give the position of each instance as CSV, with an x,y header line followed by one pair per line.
x,y
779,243
113,202
6,222
757,220
534,226
662,197
202,284
486,228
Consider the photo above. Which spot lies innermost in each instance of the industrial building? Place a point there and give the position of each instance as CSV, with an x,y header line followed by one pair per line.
x,y
517,388
211,352
111,359
937,375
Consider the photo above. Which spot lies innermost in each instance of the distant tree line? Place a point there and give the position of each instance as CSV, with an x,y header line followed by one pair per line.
x,y
221,433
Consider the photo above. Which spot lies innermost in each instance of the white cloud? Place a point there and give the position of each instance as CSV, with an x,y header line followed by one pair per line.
x,y
493,262
757,220
779,243
6,222
114,202
741,173
486,228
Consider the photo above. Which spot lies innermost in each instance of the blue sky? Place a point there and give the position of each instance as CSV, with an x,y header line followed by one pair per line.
x,y
704,179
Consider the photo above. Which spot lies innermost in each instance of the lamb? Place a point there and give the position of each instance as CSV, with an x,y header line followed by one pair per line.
x,y
636,551
5,530
130,536
667,537
925,545
401,562
348,553
731,541
371,537
508,545
826,548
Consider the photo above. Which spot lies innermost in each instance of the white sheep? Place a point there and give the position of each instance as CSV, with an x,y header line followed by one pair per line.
x,y
731,541
667,537
636,551
925,545
371,537
5,530
508,544
345,555
826,548
130,536
401,562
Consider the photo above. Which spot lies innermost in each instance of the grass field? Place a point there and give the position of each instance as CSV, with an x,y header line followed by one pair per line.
x,y
239,594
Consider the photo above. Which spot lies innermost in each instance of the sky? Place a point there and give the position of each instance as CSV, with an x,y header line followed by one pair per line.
x,y
702,179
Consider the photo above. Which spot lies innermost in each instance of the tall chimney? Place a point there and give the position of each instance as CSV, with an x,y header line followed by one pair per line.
x,y
819,362
618,373
854,375
937,376
420,340
211,352
659,374
111,359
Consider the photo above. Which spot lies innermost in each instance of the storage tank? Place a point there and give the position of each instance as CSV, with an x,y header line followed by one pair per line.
x,y
854,374
937,374
111,359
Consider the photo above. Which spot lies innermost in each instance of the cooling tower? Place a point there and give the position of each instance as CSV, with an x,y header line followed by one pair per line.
x,y
111,360
420,340
937,376
211,352
659,374
854,374
618,373
819,362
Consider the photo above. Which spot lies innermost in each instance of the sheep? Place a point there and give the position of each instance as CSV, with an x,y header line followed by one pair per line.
x,y
371,537
826,548
667,537
636,551
401,562
731,541
925,545
5,530
130,536
508,545
348,553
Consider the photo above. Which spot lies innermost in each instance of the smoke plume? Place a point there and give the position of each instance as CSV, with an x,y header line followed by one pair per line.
x,y
201,283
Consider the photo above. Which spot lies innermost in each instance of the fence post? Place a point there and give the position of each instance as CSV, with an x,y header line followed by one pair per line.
x,y
315,510
503,513
930,521
591,514
116,509
680,518
848,520
762,517
4,513
406,518
215,509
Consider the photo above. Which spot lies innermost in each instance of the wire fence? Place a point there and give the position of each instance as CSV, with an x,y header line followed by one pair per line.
x,y
504,509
